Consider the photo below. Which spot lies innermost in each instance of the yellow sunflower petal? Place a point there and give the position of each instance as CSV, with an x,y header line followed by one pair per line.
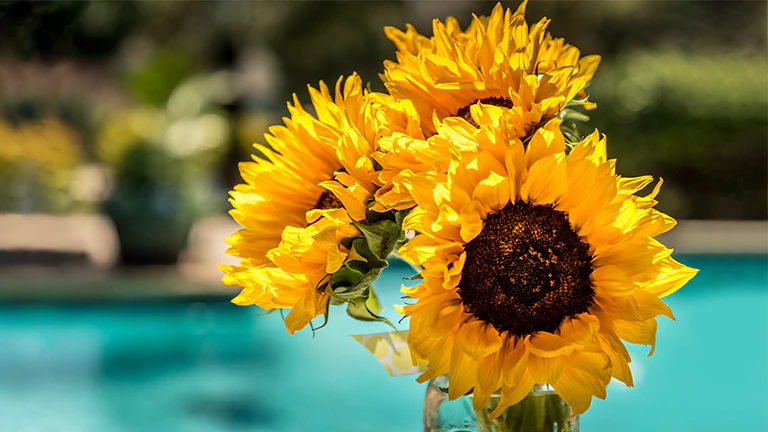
x,y
471,220
546,181
462,372
651,306
619,357
611,281
514,394
515,361
546,370
547,345
479,339
439,359
493,191
546,141
308,307
580,329
488,380
586,375
671,277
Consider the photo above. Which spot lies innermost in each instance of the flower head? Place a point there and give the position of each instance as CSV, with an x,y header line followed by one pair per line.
x,y
536,263
498,60
300,201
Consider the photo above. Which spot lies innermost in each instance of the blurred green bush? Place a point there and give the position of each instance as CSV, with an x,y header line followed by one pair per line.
x,y
698,120
681,90
37,161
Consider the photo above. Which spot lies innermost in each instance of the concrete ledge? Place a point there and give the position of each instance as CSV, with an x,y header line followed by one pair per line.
x,y
28,243
688,237
92,236
77,285
206,249
718,237
95,237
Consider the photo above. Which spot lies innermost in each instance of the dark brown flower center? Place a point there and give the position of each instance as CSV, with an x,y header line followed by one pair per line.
x,y
495,101
327,200
527,270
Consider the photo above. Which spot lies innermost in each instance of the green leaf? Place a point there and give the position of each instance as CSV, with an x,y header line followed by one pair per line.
x,y
571,126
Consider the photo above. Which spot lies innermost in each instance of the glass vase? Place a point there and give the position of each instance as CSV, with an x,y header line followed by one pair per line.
x,y
542,410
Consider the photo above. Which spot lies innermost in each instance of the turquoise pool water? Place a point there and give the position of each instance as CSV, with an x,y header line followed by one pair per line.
x,y
216,367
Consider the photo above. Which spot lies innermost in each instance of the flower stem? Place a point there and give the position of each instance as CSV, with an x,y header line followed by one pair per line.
x,y
538,412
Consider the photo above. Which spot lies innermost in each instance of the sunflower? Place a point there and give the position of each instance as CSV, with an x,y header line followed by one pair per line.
x,y
536,265
299,201
497,60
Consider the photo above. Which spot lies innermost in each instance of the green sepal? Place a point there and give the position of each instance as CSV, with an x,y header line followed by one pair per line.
x,y
573,115
348,283
322,286
381,236
363,248
358,289
267,312
372,216
335,301
570,131
345,277
355,276
347,242
361,309
325,320
400,215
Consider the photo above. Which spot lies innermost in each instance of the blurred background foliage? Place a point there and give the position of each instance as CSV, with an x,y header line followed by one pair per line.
x,y
37,160
153,100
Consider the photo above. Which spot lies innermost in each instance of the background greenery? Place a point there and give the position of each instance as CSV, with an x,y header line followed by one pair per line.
x,y
682,90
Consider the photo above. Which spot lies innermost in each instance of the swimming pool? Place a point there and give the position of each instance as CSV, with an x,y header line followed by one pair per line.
x,y
212,366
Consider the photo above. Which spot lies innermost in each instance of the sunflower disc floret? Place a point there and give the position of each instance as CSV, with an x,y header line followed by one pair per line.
x,y
526,271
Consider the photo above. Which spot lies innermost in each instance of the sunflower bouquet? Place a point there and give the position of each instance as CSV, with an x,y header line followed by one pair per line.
x,y
536,260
